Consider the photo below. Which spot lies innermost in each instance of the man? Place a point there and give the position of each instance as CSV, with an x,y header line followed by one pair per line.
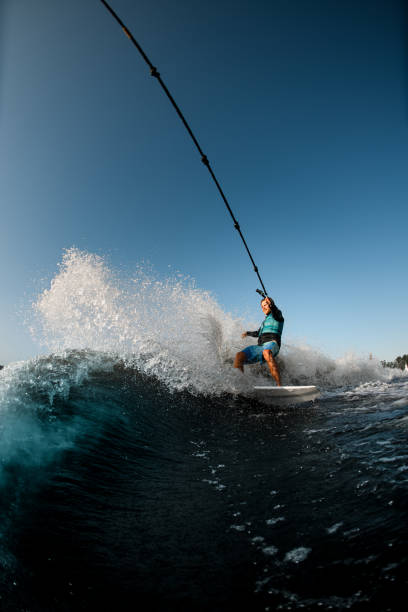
x,y
269,341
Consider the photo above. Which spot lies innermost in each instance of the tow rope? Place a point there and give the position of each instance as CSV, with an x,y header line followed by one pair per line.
x,y
154,72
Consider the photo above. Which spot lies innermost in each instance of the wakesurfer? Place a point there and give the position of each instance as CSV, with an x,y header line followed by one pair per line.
x,y
269,341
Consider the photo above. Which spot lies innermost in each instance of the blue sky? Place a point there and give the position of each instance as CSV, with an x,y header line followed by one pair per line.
x,y
302,109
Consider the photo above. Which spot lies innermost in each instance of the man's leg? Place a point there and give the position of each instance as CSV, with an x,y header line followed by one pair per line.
x,y
240,359
273,366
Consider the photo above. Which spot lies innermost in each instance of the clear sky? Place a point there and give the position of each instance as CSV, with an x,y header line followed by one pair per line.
x,y
302,109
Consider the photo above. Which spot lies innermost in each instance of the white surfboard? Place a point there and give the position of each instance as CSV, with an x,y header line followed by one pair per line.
x,y
289,391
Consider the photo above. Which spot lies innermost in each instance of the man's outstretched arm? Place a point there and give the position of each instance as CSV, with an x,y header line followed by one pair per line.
x,y
253,334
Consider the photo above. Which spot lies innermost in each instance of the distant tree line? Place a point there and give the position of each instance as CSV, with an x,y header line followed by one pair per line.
x,y
399,362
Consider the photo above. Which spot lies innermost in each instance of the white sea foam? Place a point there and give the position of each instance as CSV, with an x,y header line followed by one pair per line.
x,y
170,329
270,551
273,521
297,555
257,540
334,528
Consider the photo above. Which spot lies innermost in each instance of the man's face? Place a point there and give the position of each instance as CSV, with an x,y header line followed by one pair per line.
x,y
266,307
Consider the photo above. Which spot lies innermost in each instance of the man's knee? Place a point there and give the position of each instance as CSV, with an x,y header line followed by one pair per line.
x,y
267,355
240,359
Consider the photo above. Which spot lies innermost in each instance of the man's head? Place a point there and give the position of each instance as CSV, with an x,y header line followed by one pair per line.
x,y
266,305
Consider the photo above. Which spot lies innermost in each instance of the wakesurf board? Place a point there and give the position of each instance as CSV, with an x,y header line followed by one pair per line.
x,y
287,391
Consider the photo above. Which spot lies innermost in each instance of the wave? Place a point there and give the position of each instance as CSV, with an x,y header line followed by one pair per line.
x,y
166,333
106,469
170,329
48,402
109,432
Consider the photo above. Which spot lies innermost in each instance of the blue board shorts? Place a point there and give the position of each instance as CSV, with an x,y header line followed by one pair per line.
x,y
254,352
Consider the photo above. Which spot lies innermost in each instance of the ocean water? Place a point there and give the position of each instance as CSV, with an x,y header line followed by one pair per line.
x,y
139,471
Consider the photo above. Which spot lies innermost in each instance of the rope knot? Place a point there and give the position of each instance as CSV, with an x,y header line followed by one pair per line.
x,y
153,72
205,161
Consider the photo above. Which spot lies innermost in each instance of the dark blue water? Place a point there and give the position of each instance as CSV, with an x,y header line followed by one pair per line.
x,y
118,493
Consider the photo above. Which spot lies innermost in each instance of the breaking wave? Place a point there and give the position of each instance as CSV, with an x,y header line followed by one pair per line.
x,y
170,329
